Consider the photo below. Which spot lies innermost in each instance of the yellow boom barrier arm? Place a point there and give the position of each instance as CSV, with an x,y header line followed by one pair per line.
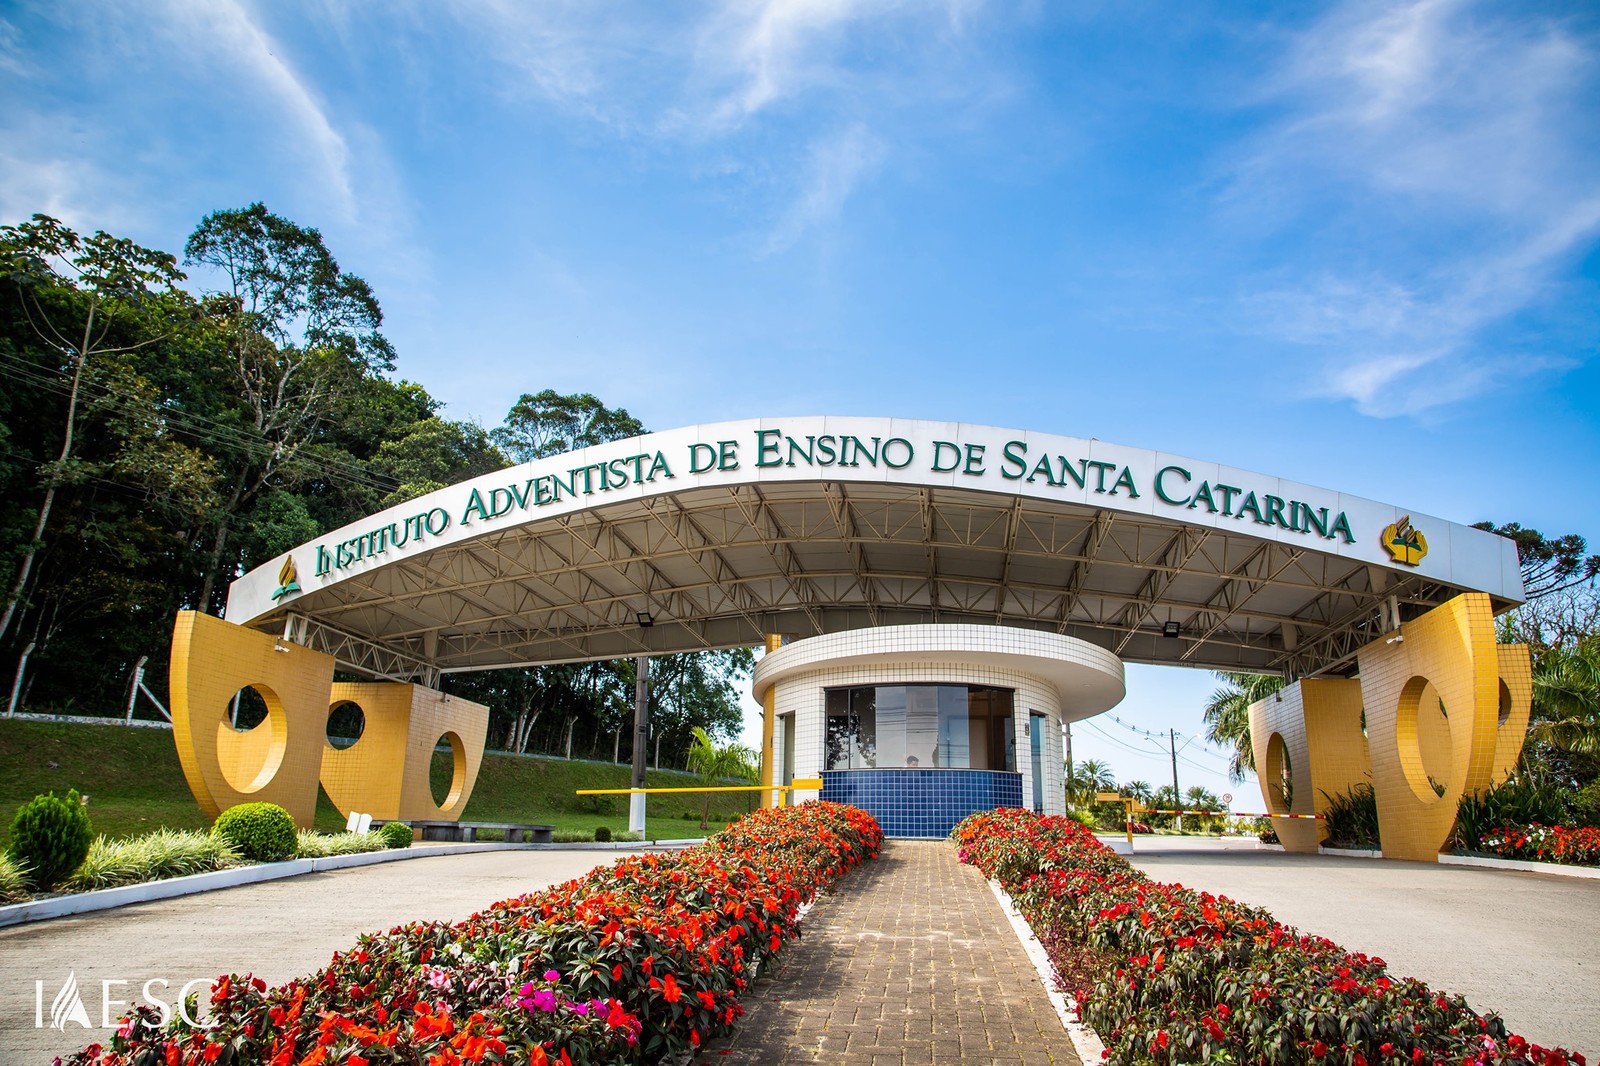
x,y
799,783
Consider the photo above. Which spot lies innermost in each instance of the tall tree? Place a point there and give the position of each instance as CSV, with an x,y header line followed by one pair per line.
x,y
1549,564
75,292
548,423
1227,716
301,334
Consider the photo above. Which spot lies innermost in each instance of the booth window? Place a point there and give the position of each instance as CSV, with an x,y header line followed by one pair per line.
x,y
921,726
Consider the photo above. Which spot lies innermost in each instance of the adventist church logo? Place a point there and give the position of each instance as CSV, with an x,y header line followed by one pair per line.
x,y
1405,542
288,579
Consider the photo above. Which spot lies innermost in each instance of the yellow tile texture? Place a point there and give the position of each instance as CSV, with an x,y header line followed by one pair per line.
x,y
279,760
1283,757
1515,704
1447,655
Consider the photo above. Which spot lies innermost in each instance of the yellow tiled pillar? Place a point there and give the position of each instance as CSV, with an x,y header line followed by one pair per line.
x,y
769,718
385,772
278,761
1426,756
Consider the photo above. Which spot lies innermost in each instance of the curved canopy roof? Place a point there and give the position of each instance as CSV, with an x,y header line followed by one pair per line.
x,y
714,535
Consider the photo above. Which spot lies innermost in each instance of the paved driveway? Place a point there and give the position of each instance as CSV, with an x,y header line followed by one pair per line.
x,y
277,930
1526,946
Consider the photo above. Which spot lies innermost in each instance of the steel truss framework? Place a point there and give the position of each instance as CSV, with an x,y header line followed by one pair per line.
x,y
721,567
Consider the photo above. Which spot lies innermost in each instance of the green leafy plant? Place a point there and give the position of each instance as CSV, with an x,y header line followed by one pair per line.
x,y
1518,800
1352,818
152,857
13,880
396,835
602,833
310,844
50,836
262,832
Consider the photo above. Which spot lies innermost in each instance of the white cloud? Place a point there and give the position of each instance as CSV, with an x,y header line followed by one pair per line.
x,y
837,165
1419,134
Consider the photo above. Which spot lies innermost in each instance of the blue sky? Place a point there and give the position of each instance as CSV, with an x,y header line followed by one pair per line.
x,y
1354,244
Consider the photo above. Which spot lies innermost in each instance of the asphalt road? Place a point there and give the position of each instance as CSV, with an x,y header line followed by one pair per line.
x,y
1525,946
277,930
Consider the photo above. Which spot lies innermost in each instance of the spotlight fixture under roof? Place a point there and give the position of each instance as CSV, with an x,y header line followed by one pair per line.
x,y
1170,628
645,621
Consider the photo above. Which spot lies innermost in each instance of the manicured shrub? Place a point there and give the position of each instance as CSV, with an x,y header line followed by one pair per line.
x,y
152,857
1183,976
602,834
396,835
50,837
640,961
262,832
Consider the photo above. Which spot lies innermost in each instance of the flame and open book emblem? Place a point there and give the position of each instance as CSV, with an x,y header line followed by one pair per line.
x,y
1405,542
288,579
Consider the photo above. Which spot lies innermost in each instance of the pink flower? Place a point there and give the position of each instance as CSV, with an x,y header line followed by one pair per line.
x,y
552,975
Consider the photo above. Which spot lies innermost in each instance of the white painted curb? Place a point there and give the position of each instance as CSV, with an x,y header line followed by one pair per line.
x,y
1084,1040
1553,868
170,888
1349,853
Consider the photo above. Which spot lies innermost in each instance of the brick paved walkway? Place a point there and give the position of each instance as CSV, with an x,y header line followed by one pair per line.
x,y
911,962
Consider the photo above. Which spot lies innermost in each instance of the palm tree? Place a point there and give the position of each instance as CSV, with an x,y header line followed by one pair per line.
x,y
716,765
1566,697
1139,790
1227,715
1087,778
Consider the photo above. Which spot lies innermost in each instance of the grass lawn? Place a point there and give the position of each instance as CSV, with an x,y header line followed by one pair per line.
x,y
135,785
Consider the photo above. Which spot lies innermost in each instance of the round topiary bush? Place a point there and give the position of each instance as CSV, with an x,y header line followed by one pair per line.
x,y
602,833
50,838
396,835
262,832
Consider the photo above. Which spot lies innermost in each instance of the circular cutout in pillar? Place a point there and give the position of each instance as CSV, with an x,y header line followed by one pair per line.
x,y
1505,704
246,710
250,755
1422,740
346,722
1280,776
447,771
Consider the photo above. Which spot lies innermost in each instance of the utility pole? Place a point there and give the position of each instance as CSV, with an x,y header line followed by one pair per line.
x,y
641,740
1177,797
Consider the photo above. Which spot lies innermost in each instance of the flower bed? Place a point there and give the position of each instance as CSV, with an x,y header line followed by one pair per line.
x,y
1186,976
1544,843
639,961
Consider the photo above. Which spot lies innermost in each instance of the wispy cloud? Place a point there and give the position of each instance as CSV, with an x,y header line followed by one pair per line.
x,y
837,165
825,72
1433,125
229,31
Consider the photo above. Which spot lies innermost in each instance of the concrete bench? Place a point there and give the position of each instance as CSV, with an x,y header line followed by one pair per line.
x,y
467,832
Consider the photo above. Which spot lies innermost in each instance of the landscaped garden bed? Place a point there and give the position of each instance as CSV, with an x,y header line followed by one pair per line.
x,y
1165,974
639,961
